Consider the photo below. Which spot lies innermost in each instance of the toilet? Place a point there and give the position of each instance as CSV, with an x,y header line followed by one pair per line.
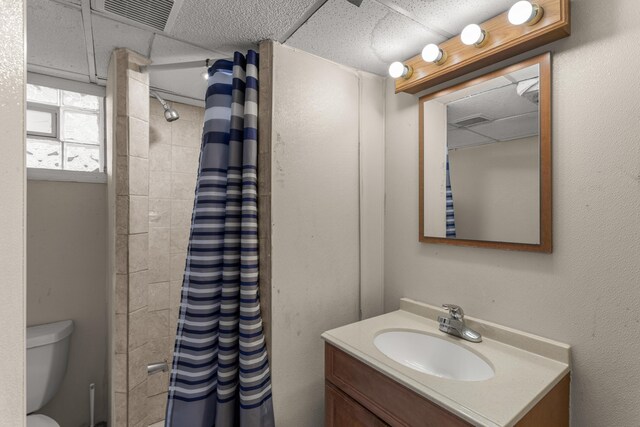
x,y
47,355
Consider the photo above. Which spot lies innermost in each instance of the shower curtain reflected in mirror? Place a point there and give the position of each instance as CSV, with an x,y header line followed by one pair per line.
x,y
220,374
450,215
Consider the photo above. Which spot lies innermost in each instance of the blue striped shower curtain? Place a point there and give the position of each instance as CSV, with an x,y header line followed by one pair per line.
x,y
220,374
451,220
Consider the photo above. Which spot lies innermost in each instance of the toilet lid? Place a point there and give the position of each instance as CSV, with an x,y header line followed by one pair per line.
x,y
39,420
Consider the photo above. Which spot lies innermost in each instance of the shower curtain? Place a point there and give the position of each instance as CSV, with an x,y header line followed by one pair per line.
x,y
451,221
220,374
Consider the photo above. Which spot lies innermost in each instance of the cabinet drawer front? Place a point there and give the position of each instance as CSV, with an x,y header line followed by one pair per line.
x,y
390,401
342,411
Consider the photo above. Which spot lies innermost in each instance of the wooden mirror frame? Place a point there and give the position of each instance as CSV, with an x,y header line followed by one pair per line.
x,y
545,245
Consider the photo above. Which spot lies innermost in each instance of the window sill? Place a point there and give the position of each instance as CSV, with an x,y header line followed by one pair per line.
x,y
62,175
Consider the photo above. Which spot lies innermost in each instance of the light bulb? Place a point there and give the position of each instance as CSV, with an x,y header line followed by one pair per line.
x,y
433,53
205,74
398,69
473,35
525,12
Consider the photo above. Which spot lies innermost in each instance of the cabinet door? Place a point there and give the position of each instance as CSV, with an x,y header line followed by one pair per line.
x,y
342,411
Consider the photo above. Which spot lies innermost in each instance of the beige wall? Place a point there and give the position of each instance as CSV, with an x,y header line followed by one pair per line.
x,y
496,191
12,212
371,111
435,169
174,150
315,219
66,270
587,293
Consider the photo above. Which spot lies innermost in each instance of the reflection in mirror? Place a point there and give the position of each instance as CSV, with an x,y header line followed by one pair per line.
x,y
482,160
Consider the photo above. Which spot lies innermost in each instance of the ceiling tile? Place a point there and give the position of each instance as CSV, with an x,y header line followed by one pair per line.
x,y
109,35
463,138
165,50
493,104
227,25
511,128
368,37
188,82
55,37
453,15
486,86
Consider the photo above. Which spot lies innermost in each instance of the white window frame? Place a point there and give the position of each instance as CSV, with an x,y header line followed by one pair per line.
x,y
54,110
73,86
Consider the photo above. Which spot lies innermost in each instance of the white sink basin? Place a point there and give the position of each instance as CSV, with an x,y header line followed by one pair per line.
x,y
433,356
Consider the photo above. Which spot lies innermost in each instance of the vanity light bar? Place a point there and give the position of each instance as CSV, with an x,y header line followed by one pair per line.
x,y
522,12
474,35
398,69
433,53
525,12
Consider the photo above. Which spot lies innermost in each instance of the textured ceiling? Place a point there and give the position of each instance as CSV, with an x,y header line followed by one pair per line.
x,y
368,37
382,31
227,25
452,15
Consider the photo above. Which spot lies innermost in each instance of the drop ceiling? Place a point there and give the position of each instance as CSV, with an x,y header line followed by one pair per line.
x,y
506,115
368,37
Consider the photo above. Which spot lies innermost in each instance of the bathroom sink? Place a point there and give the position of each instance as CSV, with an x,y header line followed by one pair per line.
x,y
434,356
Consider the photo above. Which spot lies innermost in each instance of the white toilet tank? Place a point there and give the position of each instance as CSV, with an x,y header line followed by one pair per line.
x,y
47,354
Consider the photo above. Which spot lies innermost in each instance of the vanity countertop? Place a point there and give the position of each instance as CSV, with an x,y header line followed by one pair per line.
x,y
526,366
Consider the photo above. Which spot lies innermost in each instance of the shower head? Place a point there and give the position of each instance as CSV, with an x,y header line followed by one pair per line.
x,y
169,113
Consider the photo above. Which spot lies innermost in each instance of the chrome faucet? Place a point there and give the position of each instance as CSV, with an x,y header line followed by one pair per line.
x,y
454,324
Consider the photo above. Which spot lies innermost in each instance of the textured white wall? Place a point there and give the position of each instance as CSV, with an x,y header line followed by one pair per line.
x,y
587,293
372,101
12,212
66,271
496,191
315,219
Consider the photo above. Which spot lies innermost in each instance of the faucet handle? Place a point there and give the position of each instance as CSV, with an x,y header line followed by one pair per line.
x,y
455,311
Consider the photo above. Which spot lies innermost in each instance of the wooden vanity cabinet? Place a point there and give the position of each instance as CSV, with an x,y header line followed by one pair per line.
x,y
341,410
358,395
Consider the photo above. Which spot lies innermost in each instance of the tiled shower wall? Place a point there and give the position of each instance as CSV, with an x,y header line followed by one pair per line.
x,y
128,188
152,168
174,150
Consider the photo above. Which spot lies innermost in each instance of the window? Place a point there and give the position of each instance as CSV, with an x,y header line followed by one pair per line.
x,y
64,130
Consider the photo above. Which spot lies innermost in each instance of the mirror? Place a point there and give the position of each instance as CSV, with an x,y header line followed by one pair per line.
x,y
485,160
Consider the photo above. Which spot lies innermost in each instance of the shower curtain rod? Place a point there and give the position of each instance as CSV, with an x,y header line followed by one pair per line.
x,y
184,65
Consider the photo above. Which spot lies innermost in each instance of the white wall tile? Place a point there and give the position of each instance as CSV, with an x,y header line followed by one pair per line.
x,y
159,296
138,290
159,157
160,185
138,138
138,214
186,133
183,186
185,159
138,176
138,252
159,213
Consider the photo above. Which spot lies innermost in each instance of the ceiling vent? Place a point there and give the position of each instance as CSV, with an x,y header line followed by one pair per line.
x,y
159,15
471,121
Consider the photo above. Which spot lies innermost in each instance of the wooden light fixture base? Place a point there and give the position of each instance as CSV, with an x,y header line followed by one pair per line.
x,y
504,41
